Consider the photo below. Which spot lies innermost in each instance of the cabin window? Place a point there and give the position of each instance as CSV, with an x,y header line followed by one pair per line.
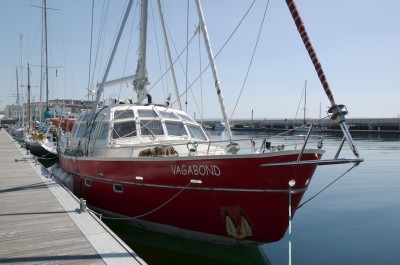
x,y
74,130
103,132
168,115
185,117
87,117
123,114
124,129
81,130
93,130
197,132
151,127
118,188
147,113
175,128
88,182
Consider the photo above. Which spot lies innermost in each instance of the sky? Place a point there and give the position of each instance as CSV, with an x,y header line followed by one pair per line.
x,y
357,43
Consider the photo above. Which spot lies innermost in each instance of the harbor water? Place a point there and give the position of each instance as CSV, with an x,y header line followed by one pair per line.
x,y
357,219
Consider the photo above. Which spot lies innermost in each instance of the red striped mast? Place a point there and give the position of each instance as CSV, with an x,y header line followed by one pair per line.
x,y
337,111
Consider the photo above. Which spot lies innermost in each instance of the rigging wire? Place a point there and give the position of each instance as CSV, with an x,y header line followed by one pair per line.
x,y
126,56
103,19
252,58
182,67
158,50
187,54
216,55
90,52
169,68
327,186
63,50
189,86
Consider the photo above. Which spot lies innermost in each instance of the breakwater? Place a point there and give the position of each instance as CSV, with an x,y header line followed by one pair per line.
x,y
359,124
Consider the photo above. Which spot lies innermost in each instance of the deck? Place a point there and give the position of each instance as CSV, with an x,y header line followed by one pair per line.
x,y
39,222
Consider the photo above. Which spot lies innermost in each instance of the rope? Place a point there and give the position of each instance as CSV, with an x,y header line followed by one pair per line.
x,y
327,186
149,212
252,56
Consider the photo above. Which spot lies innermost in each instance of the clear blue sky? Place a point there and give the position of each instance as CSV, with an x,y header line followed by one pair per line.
x,y
357,42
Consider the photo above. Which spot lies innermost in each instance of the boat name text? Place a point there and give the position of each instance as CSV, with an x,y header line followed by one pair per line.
x,y
196,170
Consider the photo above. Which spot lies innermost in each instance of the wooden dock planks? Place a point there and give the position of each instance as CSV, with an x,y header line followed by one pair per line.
x,y
34,225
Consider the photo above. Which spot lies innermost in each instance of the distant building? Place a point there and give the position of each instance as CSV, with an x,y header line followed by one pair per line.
x,y
66,107
10,114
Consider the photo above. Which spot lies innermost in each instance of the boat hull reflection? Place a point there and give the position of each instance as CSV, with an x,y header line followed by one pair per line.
x,y
161,249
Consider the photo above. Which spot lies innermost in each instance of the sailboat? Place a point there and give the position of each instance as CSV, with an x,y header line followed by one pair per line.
x,y
306,126
44,144
152,166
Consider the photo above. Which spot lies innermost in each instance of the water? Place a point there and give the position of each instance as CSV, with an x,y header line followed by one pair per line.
x,y
357,219
354,221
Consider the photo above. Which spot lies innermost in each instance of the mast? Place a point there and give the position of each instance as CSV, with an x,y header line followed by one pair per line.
x,y
41,114
338,111
141,80
22,90
213,67
46,59
18,101
29,102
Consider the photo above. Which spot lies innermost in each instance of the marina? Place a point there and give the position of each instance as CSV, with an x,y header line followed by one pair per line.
x,y
353,222
159,159
39,220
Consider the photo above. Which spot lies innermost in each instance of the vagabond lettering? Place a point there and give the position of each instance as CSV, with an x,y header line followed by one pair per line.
x,y
196,170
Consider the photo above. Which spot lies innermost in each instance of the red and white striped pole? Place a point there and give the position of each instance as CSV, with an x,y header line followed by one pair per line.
x,y
338,111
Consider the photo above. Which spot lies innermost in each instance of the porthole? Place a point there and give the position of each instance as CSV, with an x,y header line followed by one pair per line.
x,y
118,188
88,182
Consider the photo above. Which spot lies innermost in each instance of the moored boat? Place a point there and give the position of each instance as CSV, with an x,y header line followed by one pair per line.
x,y
152,166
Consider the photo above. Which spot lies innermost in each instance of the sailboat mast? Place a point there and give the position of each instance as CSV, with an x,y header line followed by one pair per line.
x,y
213,67
22,88
141,80
41,113
29,102
337,110
45,52
18,101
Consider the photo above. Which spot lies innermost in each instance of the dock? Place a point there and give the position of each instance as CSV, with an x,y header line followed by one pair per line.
x,y
40,221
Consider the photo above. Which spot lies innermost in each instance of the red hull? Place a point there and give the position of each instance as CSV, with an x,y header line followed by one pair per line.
x,y
231,188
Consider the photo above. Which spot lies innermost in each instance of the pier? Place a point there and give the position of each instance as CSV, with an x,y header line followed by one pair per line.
x,y
368,125
40,221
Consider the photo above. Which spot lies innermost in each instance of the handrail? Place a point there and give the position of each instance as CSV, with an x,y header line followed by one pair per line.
x,y
316,162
